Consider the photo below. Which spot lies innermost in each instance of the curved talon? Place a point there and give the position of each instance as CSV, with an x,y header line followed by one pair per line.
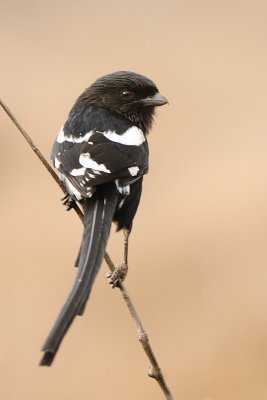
x,y
68,201
119,274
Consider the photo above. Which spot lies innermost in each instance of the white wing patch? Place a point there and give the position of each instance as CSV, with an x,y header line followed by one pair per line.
x,y
87,162
71,189
133,170
132,137
78,171
124,190
73,139
57,162
60,136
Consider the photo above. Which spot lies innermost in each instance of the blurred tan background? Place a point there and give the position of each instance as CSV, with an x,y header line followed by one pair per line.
x,y
198,272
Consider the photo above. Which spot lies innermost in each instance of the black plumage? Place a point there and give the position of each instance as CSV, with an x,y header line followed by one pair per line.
x,y
102,155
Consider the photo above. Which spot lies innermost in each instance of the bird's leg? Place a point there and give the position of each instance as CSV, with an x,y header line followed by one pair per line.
x,y
126,233
120,272
68,201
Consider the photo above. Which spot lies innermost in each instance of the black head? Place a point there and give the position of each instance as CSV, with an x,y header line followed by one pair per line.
x,y
130,94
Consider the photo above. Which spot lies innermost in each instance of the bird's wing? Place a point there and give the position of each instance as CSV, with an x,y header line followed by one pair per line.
x,y
90,160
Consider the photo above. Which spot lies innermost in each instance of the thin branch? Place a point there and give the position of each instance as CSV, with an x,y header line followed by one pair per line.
x,y
154,370
39,155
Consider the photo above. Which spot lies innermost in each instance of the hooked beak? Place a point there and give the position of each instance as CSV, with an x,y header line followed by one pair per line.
x,y
156,100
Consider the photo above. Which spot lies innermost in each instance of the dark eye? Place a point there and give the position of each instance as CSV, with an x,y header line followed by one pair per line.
x,y
127,94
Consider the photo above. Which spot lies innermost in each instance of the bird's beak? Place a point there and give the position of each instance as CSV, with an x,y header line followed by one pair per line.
x,y
156,100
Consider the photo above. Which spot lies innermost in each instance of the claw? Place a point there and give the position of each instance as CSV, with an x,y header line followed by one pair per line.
x,y
117,275
68,201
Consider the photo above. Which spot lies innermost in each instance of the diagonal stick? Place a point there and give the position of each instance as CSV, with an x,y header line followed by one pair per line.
x,y
154,370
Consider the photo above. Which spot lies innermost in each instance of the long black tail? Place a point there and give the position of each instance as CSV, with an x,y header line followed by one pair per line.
x,y
98,214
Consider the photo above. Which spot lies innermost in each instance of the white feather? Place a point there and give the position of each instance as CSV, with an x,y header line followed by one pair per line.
x,y
71,189
132,137
78,171
133,170
57,162
87,162
73,139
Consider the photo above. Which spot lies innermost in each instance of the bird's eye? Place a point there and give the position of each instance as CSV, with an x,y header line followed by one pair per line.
x,y
127,94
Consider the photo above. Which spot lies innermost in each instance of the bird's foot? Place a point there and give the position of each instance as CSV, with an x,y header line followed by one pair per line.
x,y
117,275
68,201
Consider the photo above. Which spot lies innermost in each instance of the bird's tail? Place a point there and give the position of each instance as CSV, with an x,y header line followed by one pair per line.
x,y
98,214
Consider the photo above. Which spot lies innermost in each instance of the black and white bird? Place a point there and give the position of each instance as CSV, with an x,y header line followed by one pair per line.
x,y
101,153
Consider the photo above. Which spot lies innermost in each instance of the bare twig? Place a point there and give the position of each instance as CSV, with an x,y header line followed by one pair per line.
x,y
154,370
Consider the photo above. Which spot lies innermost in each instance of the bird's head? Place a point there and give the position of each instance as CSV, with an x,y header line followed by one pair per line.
x,y
130,94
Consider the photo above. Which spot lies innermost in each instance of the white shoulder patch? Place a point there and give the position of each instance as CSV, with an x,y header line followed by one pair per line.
x,y
132,137
83,138
73,139
61,136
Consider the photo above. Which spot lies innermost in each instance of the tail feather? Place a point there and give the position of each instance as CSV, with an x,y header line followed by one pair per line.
x,y
98,215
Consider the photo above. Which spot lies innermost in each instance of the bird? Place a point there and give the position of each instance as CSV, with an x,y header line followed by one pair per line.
x,y
101,154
